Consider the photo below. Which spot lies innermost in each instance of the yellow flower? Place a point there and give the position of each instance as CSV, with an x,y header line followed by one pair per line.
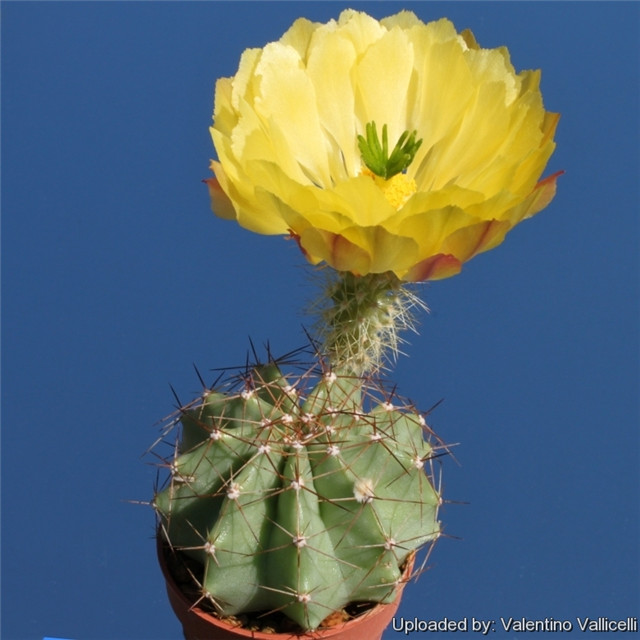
x,y
286,130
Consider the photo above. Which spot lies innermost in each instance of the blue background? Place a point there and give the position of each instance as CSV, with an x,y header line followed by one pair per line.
x,y
116,278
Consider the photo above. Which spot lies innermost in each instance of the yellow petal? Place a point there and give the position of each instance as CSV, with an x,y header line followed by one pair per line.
x,y
362,30
287,104
299,36
335,250
330,68
391,58
220,202
469,241
539,198
434,268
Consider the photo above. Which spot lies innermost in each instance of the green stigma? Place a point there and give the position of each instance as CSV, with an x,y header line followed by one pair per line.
x,y
376,156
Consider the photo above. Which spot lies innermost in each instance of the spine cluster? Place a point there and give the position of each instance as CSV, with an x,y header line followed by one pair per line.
x,y
361,319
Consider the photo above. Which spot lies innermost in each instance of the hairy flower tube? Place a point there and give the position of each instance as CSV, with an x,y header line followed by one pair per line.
x,y
384,147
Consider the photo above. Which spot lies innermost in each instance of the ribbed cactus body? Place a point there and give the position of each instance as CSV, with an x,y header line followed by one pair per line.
x,y
299,497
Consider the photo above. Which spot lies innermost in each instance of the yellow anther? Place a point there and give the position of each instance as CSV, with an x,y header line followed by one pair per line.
x,y
397,189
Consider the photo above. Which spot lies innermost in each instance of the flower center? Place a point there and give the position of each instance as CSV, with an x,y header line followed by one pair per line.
x,y
376,156
397,189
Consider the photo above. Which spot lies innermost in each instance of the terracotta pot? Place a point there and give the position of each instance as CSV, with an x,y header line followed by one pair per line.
x,y
200,625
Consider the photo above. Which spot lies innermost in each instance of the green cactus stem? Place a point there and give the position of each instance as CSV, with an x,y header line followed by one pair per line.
x,y
299,496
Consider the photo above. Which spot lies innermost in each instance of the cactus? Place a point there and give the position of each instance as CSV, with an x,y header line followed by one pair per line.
x,y
303,493
299,494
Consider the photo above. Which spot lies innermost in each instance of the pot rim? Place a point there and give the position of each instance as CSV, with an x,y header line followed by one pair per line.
x,y
378,616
